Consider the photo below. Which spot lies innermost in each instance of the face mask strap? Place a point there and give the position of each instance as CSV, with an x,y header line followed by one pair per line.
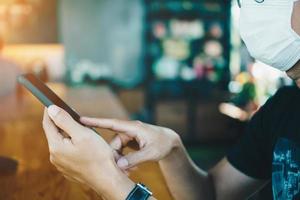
x,y
239,3
257,1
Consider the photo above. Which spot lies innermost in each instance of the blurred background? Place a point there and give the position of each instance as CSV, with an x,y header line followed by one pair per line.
x,y
174,63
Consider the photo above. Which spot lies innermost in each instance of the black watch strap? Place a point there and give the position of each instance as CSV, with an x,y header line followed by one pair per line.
x,y
139,192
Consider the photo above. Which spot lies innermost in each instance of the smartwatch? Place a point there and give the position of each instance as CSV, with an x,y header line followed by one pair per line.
x,y
139,192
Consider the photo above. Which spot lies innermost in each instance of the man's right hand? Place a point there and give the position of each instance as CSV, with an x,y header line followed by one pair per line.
x,y
155,142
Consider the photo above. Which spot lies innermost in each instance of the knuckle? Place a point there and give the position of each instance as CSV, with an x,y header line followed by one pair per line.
x,y
170,132
138,123
167,130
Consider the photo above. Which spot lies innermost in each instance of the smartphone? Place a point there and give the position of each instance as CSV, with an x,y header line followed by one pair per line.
x,y
41,91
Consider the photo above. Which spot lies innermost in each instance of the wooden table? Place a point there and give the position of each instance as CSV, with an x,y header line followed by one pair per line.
x,y
22,138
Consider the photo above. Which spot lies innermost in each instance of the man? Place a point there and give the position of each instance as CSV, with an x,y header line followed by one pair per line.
x,y
268,151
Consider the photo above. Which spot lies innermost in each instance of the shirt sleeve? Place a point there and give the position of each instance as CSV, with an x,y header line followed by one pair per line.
x,y
252,155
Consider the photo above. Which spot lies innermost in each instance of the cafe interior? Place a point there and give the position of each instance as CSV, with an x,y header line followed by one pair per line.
x,y
179,64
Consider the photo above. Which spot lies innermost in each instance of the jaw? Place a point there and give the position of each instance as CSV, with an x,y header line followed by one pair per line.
x,y
296,17
298,83
294,72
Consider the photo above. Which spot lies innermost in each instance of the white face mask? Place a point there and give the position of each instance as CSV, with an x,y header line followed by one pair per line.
x,y
267,32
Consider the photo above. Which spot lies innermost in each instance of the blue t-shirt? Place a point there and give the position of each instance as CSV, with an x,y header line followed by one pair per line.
x,y
270,148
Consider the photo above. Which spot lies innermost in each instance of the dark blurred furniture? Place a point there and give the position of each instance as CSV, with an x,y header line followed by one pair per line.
x,y
191,91
22,138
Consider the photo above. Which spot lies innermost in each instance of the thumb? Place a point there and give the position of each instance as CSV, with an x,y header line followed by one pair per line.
x,y
64,121
132,159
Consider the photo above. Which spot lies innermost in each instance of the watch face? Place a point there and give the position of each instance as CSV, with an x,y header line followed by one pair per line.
x,y
144,188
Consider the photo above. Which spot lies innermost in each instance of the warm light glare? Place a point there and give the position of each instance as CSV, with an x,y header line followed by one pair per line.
x,y
20,9
52,55
13,16
233,111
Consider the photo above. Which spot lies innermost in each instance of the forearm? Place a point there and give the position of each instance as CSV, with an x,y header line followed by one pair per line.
x,y
184,179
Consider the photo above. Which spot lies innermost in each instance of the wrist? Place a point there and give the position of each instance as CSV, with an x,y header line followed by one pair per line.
x,y
174,138
176,144
113,183
176,151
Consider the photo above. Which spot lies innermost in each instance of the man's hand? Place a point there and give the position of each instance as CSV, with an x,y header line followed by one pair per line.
x,y
155,142
83,156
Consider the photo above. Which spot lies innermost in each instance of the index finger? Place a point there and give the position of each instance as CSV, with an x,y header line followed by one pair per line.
x,y
127,127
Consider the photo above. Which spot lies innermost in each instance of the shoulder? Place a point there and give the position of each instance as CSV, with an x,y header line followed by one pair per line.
x,y
282,102
283,96
288,90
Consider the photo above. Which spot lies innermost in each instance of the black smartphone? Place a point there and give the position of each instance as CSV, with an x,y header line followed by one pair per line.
x,y
41,91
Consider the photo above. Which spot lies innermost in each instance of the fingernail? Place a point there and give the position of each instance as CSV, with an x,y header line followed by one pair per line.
x,y
122,163
53,110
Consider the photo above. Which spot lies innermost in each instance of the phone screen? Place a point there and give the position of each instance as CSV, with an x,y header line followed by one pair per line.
x,y
45,94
